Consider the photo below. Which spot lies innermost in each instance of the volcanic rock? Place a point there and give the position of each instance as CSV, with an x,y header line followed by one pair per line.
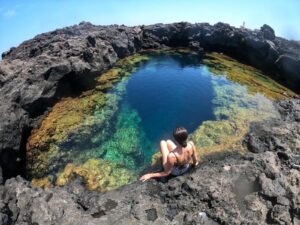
x,y
36,74
268,32
258,189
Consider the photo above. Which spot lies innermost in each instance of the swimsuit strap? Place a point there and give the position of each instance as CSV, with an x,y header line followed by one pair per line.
x,y
175,156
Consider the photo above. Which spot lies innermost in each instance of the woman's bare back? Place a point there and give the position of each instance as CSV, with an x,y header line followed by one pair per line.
x,y
176,160
183,155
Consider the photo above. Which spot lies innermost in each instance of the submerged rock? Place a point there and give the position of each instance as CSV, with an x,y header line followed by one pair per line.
x,y
97,174
71,126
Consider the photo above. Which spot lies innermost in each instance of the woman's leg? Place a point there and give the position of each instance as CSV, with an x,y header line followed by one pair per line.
x,y
164,151
171,145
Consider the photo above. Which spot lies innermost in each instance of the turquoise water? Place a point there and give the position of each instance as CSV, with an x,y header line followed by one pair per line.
x,y
167,92
162,92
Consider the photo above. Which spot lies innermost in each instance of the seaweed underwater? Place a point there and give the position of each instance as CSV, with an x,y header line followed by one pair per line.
x,y
98,137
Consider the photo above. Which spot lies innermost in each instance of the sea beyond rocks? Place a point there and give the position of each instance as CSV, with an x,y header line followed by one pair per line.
x,y
261,187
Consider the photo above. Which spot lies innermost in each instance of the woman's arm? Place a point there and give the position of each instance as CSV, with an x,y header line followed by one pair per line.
x,y
152,175
194,156
167,170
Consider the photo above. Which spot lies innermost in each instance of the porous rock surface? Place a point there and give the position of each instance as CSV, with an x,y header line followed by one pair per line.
x,y
261,187
257,188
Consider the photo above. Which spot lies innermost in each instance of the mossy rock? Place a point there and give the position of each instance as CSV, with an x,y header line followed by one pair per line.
x,y
97,174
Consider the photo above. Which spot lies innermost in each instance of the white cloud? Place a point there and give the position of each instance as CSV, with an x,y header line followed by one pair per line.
x,y
9,13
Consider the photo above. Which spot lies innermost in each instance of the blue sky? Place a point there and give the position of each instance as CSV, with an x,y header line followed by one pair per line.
x,y
23,19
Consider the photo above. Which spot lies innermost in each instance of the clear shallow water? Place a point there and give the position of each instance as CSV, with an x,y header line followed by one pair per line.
x,y
166,94
109,136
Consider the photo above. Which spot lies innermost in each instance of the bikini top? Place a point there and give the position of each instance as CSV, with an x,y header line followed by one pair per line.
x,y
176,164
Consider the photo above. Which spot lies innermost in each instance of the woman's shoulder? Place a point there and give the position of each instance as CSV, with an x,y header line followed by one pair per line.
x,y
191,143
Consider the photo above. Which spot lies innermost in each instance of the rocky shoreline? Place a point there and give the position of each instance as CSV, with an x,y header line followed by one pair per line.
x,y
258,188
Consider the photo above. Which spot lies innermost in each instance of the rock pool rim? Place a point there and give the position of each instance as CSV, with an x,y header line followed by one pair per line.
x,y
144,37
87,207
186,58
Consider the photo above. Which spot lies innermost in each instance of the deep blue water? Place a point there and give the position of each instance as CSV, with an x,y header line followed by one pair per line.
x,y
167,92
167,95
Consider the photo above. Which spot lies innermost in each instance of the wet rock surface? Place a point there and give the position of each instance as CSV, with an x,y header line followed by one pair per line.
x,y
258,188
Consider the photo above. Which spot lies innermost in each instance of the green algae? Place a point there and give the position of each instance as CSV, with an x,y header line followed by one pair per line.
x,y
88,137
124,146
255,80
246,99
72,121
46,182
97,175
234,111
242,95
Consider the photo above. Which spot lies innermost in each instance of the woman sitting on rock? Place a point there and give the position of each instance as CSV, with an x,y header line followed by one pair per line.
x,y
176,160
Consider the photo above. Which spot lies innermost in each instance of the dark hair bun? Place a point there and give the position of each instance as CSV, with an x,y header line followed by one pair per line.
x,y
180,134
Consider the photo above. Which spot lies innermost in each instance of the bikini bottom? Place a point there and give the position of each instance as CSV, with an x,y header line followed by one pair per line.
x,y
179,170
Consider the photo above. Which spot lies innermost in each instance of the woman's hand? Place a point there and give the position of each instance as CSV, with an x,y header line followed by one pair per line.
x,y
145,177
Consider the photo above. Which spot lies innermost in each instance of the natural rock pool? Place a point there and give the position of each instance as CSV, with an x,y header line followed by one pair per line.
x,y
108,135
